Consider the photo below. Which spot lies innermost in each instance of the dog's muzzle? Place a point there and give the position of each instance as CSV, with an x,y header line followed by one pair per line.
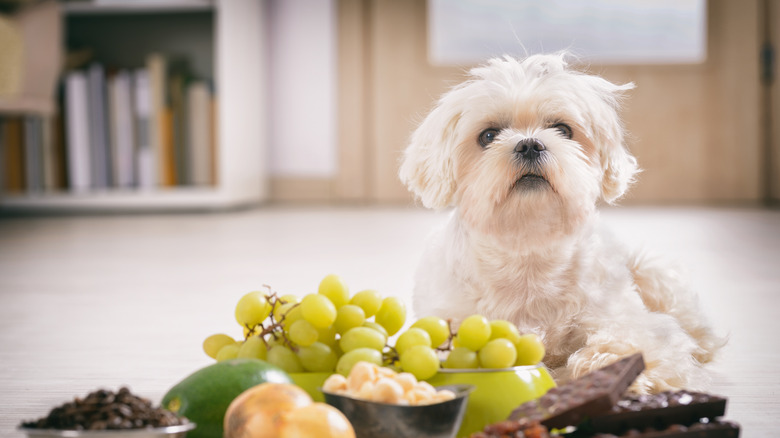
x,y
529,153
529,149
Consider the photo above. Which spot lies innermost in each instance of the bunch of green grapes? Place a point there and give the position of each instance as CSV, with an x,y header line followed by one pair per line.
x,y
478,343
331,331
321,332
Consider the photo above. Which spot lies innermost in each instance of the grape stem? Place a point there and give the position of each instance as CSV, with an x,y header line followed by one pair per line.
x,y
390,354
450,337
275,328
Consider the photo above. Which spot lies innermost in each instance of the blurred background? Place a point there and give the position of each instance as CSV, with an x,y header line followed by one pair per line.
x,y
273,130
119,105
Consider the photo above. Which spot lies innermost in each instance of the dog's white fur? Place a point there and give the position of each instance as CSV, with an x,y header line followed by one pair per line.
x,y
533,254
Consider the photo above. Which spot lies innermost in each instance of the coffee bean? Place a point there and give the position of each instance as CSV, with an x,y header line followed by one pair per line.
x,y
103,409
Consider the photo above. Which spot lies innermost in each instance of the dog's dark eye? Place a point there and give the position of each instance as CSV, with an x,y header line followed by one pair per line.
x,y
488,136
564,129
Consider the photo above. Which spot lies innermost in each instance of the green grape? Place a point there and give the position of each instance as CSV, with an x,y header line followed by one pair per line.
x,y
436,327
303,333
374,326
474,332
530,349
369,300
349,316
333,287
318,358
285,359
318,310
337,348
500,328
461,357
498,353
327,336
214,343
288,300
228,352
252,309
361,337
273,341
391,315
253,347
411,338
350,358
290,313
420,361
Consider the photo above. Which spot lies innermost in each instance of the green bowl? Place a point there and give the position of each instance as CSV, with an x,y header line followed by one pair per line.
x,y
311,383
497,391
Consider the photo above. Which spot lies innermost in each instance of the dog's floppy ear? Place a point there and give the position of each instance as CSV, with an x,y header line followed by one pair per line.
x,y
620,170
427,166
618,165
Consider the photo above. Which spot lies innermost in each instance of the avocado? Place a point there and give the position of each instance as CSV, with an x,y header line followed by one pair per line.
x,y
204,396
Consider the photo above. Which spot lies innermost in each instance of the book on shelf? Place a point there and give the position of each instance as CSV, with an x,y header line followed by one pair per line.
x,y
165,155
33,154
160,118
177,82
182,123
148,127
50,156
120,99
98,124
29,158
60,155
78,141
200,134
146,170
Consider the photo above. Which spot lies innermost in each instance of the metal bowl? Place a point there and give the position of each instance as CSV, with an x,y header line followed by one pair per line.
x,y
179,431
381,420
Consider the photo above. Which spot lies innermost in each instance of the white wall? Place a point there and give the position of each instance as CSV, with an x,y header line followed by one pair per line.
x,y
600,31
302,81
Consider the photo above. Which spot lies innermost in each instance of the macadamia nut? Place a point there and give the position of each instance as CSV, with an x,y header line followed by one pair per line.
x,y
368,381
335,383
361,373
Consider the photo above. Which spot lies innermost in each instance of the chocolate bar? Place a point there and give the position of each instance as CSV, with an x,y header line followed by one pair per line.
x,y
703,429
587,396
658,411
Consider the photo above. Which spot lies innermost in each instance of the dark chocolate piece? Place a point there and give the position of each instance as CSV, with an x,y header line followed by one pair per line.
x,y
712,429
659,411
587,396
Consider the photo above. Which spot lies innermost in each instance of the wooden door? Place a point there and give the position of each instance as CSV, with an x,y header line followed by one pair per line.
x,y
697,130
771,102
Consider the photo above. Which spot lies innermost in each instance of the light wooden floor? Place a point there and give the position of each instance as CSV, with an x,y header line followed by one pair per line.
x,y
88,302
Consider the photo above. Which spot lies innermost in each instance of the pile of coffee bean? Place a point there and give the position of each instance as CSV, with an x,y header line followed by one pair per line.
x,y
102,410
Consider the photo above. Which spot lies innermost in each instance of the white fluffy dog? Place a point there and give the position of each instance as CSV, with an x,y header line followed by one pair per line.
x,y
525,150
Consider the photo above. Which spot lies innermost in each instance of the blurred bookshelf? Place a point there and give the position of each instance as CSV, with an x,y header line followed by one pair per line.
x,y
138,6
150,105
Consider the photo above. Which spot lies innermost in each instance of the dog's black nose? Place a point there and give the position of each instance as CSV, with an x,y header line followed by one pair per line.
x,y
529,148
